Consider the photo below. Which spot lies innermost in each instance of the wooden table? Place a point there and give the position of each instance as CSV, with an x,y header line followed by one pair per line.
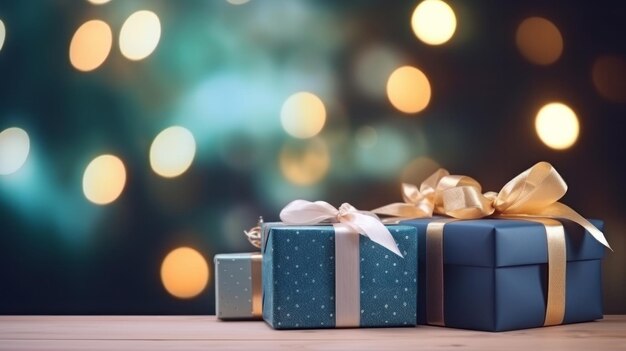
x,y
206,333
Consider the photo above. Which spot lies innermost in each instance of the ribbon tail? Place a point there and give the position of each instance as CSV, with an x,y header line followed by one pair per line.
x,y
375,230
401,209
560,210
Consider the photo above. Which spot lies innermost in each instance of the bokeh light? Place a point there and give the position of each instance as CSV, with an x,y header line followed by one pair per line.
x,y
90,45
366,137
408,89
539,40
184,273
372,68
609,77
140,35
557,125
305,163
104,179
433,22
418,170
98,2
14,149
172,152
303,115
3,34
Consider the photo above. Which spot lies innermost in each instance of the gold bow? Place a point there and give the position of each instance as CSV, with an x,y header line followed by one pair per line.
x,y
533,193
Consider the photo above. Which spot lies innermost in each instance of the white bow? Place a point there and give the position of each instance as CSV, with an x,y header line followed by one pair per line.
x,y
302,212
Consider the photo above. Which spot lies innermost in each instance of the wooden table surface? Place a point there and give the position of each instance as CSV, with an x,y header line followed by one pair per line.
x,y
207,333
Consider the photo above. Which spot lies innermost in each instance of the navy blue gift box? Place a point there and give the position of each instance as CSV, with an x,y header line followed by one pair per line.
x,y
299,278
495,274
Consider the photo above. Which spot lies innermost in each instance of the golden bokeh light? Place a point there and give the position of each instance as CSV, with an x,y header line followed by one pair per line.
x,y
104,179
3,34
303,115
184,273
14,149
98,2
90,45
418,170
172,152
557,126
305,164
140,35
609,78
539,40
433,22
408,89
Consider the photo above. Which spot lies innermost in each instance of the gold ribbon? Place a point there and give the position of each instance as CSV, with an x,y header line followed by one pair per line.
x,y
256,260
532,195
257,290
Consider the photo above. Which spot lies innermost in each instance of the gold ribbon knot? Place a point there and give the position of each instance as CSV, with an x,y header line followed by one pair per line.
x,y
533,193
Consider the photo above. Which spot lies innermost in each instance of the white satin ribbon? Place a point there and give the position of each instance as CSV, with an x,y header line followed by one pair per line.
x,y
302,212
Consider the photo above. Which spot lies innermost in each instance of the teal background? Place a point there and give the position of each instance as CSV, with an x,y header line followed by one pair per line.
x,y
223,72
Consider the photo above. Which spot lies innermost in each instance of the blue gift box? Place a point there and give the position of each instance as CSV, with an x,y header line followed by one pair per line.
x,y
495,274
238,286
299,278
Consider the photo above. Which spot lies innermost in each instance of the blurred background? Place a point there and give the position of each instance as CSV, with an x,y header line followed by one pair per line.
x,y
132,129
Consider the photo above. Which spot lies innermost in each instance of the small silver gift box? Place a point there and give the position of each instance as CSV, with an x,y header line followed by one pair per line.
x,y
238,294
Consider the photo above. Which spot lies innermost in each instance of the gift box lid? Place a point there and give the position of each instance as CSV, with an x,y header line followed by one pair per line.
x,y
506,242
236,256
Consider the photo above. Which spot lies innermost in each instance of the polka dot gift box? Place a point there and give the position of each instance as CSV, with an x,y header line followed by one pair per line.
x,y
338,272
238,286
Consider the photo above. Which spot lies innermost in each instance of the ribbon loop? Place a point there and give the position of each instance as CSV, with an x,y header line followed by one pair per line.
x,y
533,189
302,212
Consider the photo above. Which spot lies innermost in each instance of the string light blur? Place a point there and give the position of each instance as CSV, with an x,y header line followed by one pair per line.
x,y
303,115
539,40
408,89
305,164
557,126
609,78
104,179
184,273
90,45
98,2
172,151
140,35
433,22
3,34
14,149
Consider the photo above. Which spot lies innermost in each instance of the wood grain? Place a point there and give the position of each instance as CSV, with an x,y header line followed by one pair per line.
x,y
207,333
